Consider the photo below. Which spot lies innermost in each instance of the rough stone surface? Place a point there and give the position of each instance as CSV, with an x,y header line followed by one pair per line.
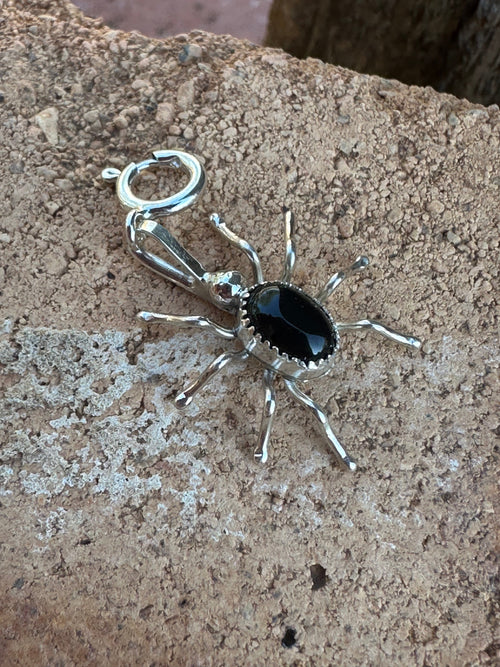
x,y
133,534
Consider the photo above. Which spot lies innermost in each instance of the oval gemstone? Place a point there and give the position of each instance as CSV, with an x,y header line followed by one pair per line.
x,y
291,320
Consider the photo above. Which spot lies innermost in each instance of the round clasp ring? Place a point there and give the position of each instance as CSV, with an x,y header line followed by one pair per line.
x,y
161,207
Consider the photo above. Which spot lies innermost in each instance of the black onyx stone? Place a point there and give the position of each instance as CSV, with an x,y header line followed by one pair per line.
x,y
291,321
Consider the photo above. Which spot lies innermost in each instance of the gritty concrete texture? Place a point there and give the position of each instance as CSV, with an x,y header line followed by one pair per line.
x,y
131,534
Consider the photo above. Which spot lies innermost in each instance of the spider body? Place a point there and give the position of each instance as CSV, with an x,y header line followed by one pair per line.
x,y
287,330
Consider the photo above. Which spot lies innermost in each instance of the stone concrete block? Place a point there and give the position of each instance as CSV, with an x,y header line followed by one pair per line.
x,y
133,534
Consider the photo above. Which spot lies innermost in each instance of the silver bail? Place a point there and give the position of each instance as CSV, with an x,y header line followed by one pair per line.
x,y
140,225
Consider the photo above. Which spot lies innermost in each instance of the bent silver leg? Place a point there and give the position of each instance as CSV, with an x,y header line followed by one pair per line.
x,y
185,397
260,452
187,321
320,415
403,339
290,247
360,264
241,244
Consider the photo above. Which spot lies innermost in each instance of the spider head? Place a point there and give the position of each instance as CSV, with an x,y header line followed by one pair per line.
x,y
226,288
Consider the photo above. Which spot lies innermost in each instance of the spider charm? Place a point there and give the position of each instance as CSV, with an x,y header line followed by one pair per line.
x,y
290,332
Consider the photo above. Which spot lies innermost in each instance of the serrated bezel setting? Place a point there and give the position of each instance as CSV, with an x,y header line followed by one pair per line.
x,y
270,355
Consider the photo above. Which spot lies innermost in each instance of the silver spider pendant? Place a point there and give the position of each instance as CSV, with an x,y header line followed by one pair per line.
x,y
288,331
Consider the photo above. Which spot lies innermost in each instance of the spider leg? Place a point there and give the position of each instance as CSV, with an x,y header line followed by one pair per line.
x,y
241,244
260,452
290,247
360,264
185,397
397,337
187,321
320,415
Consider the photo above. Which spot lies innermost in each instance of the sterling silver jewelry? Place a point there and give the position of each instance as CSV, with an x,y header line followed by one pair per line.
x,y
290,332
